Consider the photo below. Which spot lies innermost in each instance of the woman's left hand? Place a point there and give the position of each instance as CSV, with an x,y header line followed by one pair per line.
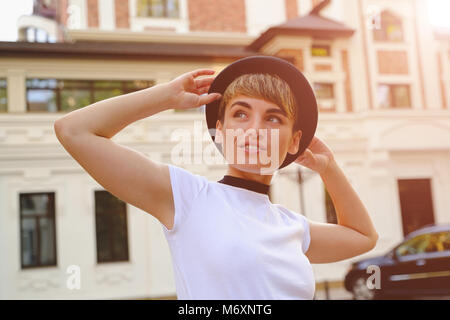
x,y
317,156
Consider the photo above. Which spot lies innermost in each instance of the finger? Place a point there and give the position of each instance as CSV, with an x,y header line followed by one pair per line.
x,y
208,98
200,72
203,82
202,90
309,154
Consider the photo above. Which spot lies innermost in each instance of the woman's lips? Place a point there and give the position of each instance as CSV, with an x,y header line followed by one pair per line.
x,y
251,148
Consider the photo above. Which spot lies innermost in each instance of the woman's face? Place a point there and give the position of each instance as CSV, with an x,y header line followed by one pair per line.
x,y
256,135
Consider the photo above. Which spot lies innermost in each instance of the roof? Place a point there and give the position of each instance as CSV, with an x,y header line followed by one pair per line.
x,y
135,50
312,25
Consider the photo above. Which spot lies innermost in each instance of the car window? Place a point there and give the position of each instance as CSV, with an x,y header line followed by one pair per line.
x,y
425,243
444,241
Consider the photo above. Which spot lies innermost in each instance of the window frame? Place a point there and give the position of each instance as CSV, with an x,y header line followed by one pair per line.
x,y
110,234
5,80
165,10
90,86
381,35
392,104
50,215
328,84
327,47
424,254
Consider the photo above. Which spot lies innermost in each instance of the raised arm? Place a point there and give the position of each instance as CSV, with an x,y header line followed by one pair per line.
x,y
354,233
129,175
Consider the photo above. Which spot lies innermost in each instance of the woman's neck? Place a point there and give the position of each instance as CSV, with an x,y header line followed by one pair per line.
x,y
265,179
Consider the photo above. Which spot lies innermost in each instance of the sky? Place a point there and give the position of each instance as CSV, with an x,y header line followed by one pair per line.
x,y
11,10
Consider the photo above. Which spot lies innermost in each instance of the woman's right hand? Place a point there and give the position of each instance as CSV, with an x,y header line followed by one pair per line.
x,y
186,90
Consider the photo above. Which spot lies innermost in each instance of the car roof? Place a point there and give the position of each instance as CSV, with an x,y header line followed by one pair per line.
x,y
429,229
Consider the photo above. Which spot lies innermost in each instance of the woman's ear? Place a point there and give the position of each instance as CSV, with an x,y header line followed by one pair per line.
x,y
295,142
218,134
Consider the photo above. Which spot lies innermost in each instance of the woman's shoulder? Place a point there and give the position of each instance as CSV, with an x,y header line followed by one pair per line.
x,y
182,172
288,212
186,181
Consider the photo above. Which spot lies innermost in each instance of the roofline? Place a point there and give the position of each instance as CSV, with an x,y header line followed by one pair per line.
x,y
121,50
315,33
125,35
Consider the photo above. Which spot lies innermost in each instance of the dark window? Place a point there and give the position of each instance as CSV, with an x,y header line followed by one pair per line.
x,y
416,203
444,241
320,51
389,28
52,95
426,243
324,90
331,211
111,228
394,96
37,229
3,96
158,8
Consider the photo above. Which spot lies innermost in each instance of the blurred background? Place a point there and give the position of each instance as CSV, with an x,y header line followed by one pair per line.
x,y
381,73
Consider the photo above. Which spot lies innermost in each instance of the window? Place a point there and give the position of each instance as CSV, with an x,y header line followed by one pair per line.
x,y
324,90
52,95
394,96
158,9
426,243
329,206
320,51
3,96
444,241
111,228
390,28
37,229
38,35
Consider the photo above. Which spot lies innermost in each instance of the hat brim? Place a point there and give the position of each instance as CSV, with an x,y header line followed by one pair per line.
x,y
305,100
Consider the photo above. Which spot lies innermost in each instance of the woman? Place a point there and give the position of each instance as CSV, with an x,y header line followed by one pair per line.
x,y
227,240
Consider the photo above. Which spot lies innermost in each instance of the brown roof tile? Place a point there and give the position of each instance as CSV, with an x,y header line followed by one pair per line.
x,y
312,25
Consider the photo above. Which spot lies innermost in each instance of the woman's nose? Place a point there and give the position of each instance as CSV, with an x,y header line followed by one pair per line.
x,y
256,130
256,124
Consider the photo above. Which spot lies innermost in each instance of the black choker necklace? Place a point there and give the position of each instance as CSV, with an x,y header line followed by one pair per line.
x,y
246,184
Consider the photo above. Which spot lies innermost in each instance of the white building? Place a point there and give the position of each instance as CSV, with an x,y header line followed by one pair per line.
x,y
381,75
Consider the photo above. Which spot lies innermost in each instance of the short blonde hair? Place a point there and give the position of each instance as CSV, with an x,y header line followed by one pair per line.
x,y
262,86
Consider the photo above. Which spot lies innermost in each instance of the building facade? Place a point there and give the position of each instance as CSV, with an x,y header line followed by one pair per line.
x,y
380,71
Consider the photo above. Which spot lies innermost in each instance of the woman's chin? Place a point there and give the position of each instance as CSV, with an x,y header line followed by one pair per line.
x,y
255,168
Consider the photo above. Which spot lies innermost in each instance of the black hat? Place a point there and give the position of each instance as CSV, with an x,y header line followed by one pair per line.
x,y
305,100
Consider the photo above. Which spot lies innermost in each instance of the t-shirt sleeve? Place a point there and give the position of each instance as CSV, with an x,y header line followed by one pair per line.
x,y
306,235
185,188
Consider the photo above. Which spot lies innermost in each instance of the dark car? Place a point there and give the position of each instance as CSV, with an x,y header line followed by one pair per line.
x,y
418,266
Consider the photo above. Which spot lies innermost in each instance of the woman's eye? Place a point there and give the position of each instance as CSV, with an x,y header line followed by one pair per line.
x,y
239,114
276,119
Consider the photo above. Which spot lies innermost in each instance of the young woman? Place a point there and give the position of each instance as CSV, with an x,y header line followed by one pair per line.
x,y
227,240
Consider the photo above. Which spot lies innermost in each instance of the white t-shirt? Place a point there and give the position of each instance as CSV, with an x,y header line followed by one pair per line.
x,y
232,243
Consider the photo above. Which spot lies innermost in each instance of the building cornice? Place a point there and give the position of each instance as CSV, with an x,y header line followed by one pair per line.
x,y
223,38
128,50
